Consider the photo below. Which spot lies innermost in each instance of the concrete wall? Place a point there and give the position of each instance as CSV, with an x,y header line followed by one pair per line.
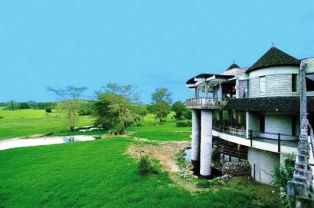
x,y
278,82
278,124
265,163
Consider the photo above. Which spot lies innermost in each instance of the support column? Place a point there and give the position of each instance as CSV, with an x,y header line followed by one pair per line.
x,y
247,123
206,143
195,146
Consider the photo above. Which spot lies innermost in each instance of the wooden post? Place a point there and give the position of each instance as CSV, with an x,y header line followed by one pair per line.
x,y
278,142
251,137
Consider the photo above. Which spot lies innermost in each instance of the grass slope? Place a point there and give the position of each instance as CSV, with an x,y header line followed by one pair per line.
x,y
20,123
101,174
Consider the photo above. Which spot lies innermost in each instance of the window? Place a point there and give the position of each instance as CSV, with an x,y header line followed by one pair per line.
x,y
243,88
262,85
294,82
294,125
310,82
262,123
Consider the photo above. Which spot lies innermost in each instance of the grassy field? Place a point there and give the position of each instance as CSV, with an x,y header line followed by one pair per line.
x,y
100,174
29,122
168,131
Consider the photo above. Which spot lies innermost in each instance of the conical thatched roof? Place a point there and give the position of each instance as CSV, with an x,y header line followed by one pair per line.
x,y
274,57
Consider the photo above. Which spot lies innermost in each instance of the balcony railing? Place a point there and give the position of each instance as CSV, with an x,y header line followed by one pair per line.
x,y
231,131
276,138
208,103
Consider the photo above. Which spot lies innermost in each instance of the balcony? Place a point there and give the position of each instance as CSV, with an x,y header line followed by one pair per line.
x,y
206,103
274,142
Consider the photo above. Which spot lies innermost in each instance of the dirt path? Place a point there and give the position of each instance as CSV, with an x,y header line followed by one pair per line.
x,y
38,141
165,152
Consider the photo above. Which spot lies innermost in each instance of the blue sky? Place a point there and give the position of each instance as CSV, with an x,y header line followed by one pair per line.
x,y
146,43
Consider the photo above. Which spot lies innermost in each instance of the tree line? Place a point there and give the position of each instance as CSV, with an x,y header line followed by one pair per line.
x,y
115,107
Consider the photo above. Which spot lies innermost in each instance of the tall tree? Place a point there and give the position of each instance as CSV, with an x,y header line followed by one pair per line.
x,y
124,90
161,100
114,111
70,103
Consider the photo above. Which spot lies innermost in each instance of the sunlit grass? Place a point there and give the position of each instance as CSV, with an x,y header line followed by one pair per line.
x,y
101,174
152,130
20,123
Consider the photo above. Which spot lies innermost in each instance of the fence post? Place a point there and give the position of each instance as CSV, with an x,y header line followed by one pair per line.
x,y
251,137
278,142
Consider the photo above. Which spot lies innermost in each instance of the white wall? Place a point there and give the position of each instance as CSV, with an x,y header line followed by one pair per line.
x,y
265,163
278,124
278,82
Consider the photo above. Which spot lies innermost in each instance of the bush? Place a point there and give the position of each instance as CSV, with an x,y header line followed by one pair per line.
x,y
184,124
1,117
48,110
145,167
285,173
216,156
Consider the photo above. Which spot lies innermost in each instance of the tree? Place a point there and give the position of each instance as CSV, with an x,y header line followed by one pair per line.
x,y
70,103
179,109
113,111
161,100
124,90
139,112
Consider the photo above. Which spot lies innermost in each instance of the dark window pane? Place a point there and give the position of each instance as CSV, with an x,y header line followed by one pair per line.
x,y
310,82
262,123
294,82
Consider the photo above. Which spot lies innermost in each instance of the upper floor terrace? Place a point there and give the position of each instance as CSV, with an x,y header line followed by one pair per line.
x,y
275,74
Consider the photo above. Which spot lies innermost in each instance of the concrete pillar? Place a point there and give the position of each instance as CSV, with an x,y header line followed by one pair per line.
x,y
195,146
206,143
237,88
247,123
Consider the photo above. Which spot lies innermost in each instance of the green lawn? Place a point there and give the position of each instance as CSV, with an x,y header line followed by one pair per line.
x,y
168,131
29,122
100,174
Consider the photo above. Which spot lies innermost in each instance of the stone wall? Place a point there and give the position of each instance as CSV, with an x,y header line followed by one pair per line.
x,y
236,168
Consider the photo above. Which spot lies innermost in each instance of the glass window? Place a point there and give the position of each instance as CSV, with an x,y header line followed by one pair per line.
x,y
262,84
294,82
262,123
310,82
243,88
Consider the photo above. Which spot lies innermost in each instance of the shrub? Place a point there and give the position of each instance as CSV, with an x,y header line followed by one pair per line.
x,y
48,110
145,167
1,117
184,124
216,156
284,173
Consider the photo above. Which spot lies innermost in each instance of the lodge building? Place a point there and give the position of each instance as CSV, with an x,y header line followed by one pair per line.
x,y
252,113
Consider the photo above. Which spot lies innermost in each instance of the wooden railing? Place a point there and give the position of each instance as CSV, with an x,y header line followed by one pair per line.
x,y
231,131
209,103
